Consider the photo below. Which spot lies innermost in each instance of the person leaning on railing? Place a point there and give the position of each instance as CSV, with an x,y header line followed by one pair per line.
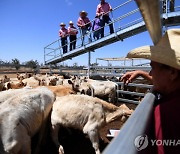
x,y
85,25
72,31
171,5
165,76
97,28
103,10
63,33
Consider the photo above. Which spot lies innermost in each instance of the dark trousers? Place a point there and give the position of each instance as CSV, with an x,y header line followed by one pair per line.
x,y
106,20
72,39
97,34
171,6
85,31
64,44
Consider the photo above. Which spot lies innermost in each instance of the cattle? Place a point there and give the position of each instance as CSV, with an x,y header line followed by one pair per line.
x,y
15,85
61,90
2,86
102,89
31,82
5,79
23,76
86,113
21,117
4,95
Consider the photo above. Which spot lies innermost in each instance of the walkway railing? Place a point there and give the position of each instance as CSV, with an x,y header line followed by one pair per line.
x,y
123,17
129,18
138,125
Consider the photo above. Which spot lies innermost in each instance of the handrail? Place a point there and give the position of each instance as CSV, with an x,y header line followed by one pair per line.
x,y
48,56
139,123
79,38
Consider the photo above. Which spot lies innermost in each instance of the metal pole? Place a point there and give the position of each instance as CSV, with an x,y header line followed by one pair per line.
x,y
50,69
113,21
60,69
60,48
132,62
44,56
89,63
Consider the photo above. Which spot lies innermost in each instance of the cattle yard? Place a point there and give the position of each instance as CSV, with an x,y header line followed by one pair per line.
x,y
71,111
70,139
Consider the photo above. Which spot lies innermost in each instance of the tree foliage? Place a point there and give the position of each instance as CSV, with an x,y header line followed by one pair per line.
x,y
16,63
32,64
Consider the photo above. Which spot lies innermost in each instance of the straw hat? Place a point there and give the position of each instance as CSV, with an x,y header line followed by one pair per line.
x,y
62,24
70,22
167,51
83,12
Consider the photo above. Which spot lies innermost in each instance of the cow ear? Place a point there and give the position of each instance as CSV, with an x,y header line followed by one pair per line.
x,y
70,82
25,84
8,85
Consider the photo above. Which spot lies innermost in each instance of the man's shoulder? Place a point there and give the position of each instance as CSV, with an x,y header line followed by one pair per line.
x,y
99,5
79,18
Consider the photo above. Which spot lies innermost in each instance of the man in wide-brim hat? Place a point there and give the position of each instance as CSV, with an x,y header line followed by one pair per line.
x,y
72,31
165,75
85,26
63,34
62,24
83,13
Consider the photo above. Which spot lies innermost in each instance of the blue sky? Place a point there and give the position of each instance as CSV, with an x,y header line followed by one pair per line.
x,y
27,26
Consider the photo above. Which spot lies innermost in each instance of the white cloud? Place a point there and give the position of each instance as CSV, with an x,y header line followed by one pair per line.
x,y
68,2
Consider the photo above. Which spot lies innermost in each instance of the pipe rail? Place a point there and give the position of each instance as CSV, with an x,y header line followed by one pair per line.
x,y
54,49
139,123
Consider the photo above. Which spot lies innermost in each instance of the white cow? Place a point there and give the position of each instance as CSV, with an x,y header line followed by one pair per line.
x,y
5,95
102,89
32,82
86,113
21,117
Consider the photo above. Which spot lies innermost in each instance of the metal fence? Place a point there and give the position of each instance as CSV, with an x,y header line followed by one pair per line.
x,y
138,124
121,92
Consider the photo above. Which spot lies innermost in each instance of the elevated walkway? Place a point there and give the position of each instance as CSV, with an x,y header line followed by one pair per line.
x,y
53,52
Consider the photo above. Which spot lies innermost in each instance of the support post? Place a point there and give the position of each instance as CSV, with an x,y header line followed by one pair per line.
x,y
44,56
132,62
50,69
89,63
60,69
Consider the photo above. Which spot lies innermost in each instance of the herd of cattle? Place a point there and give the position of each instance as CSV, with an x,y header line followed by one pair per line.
x,y
27,101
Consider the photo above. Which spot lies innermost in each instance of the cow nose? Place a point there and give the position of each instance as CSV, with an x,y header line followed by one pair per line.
x,y
77,86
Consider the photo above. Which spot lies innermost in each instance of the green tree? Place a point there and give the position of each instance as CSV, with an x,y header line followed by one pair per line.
x,y
32,64
75,64
16,63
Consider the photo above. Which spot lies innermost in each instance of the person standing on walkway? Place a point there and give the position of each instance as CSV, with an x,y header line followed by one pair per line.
x,y
103,10
72,31
63,33
171,5
85,25
97,28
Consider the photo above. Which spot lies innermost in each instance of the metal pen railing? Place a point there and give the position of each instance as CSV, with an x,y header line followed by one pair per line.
x,y
138,124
